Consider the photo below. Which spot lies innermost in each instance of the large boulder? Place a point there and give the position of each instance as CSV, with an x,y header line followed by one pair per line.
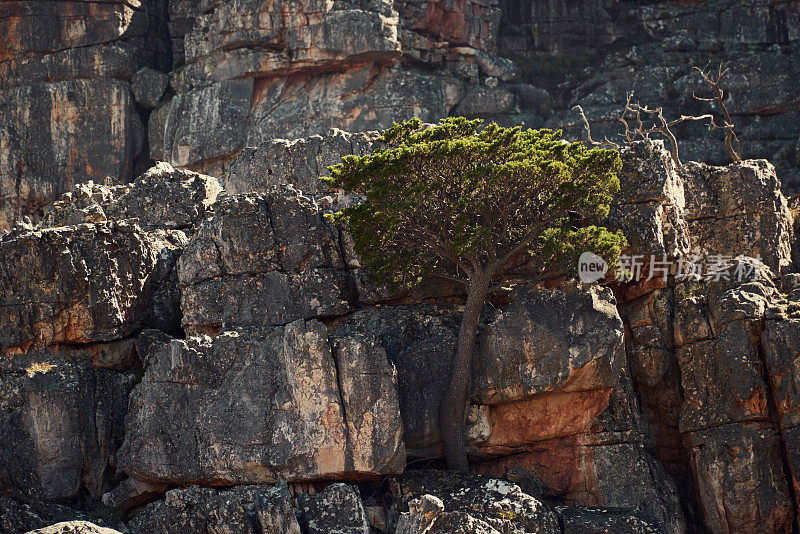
x,y
587,470
548,340
162,197
240,509
740,479
254,405
649,208
62,422
81,284
420,343
300,162
739,209
262,259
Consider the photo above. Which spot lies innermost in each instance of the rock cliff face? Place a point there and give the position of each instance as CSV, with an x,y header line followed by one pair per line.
x,y
194,344
223,345
209,85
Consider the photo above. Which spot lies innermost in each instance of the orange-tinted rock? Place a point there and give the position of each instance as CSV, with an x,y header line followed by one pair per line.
x,y
740,480
250,406
517,425
81,284
52,143
535,345
580,471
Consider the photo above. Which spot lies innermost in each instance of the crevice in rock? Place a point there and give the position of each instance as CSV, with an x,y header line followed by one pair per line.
x,y
348,457
774,420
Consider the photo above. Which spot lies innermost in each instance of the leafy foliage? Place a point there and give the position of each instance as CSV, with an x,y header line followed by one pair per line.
x,y
454,200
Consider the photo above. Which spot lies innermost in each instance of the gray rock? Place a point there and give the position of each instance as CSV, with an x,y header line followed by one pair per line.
x,y
203,124
498,67
80,284
420,343
266,258
740,479
483,101
453,502
300,412
739,209
62,422
588,520
53,143
162,197
131,493
337,510
300,162
148,86
538,345
649,207
240,509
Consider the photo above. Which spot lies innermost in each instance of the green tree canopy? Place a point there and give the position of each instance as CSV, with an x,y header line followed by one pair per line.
x,y
476,207
446,199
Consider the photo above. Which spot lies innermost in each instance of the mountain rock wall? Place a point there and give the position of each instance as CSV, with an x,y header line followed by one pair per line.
x,y
217,346
97,91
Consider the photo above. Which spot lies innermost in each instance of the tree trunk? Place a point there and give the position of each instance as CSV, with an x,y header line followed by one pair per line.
x,y
454,402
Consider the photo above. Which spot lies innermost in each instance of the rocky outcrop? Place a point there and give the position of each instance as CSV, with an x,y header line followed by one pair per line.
x,y
68,112
62,421
204,84
431,501
241,509
302,410
698,353
162,197
284,363
263,259
81,284
299,162
739,210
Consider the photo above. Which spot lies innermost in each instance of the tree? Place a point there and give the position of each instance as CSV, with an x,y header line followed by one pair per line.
x,y
478,208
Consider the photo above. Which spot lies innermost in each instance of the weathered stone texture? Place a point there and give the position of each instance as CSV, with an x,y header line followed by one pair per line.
x,y
80,284
537,345
740,479
62,423
337,509
649,207
50,142
739,209
262,259
299,162
241,509
252,406
591,520
162,197
452,502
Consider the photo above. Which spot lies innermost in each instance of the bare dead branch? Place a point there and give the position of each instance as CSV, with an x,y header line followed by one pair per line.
x,y
606,142
732,143
661,126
